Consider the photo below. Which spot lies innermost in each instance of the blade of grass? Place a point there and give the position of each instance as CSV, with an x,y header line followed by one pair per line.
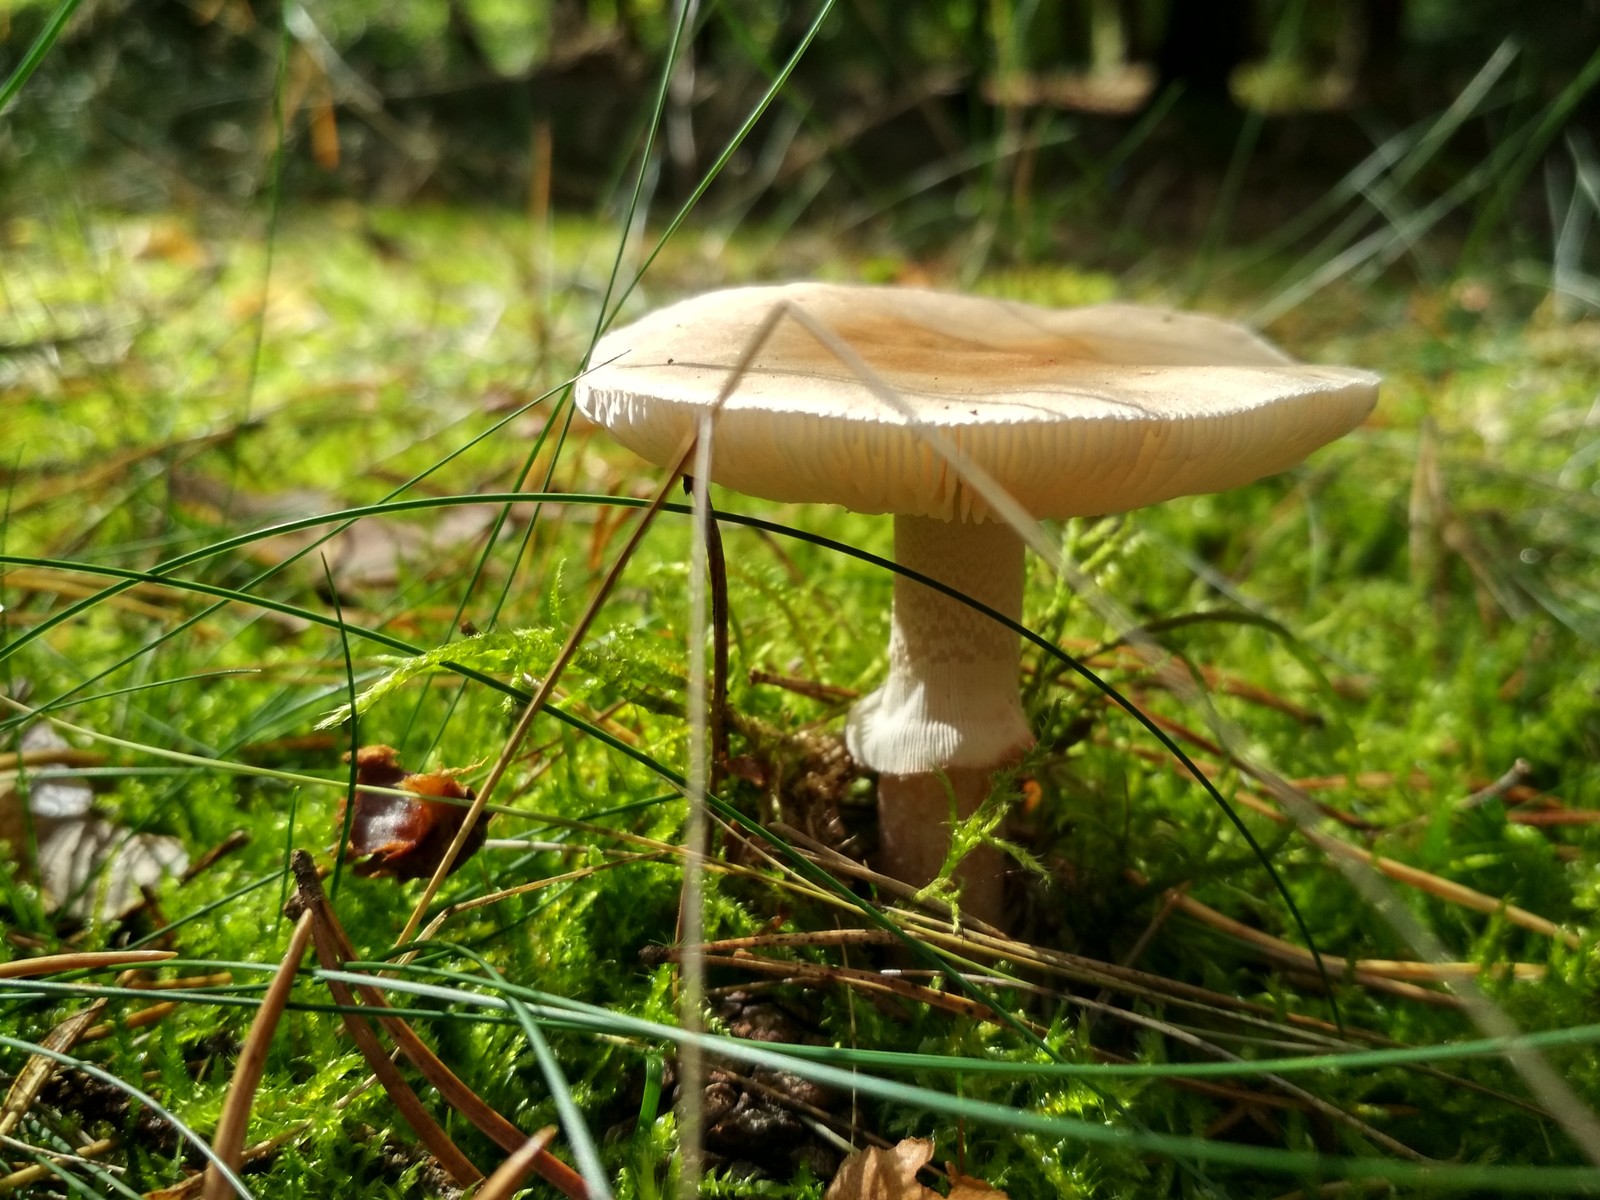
x,y
139,1095
47,38
1452,1176
1528,150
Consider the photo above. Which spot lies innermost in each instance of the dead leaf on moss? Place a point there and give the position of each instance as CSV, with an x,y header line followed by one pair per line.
x,y
85,865
879,1174
370,554
402,836
965,1187
891,1174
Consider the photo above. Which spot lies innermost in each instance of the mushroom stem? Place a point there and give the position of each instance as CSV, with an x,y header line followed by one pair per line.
x,y
952,701
914,835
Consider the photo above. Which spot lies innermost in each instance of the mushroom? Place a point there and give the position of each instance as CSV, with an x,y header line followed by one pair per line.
x,y
1073,412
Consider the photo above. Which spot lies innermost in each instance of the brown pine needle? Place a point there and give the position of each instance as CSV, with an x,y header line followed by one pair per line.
x,y
40,1068
579,631
535,885
1444,889
508,1178
1377,967
1424,881
189,1189
228,1141
37,1173
82,960
541,696
182,982
333,950
310,899
137,1019
51,756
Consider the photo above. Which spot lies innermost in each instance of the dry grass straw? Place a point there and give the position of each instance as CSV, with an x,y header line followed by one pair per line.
x,y
1424,881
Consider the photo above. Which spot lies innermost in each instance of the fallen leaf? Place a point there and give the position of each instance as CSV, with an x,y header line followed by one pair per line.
x,y
965,1187
85,865
372,553
401,836
891,1174
879,1174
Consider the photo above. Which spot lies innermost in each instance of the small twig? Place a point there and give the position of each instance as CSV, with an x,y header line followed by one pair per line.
x,y
843,865
827,693
1517,776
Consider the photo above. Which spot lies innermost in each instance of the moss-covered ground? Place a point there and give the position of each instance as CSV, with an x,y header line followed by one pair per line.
x,y
1395,625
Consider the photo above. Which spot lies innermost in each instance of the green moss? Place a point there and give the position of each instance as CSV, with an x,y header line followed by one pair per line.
x,y
1436,645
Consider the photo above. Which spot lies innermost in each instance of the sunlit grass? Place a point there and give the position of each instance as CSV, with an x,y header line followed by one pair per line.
x,y
1393,625
379,358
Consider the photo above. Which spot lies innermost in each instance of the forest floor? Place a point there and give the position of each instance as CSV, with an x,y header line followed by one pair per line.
x,y
1404,628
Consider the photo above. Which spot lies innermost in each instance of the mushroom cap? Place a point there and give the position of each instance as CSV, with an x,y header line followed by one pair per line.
x,y
1076,412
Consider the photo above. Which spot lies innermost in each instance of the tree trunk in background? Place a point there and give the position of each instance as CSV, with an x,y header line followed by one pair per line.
x,y
1202,44
1382,27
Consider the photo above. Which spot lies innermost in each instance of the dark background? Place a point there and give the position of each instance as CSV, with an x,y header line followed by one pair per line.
x,y
1132,115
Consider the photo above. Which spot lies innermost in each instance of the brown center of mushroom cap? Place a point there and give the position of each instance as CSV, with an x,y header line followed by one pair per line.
x,y
1074,411
906,354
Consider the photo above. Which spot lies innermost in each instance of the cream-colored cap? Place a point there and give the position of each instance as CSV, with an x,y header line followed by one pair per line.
x,y
1076,412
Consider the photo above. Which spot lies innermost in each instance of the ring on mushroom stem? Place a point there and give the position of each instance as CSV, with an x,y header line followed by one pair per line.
x,y
1075,412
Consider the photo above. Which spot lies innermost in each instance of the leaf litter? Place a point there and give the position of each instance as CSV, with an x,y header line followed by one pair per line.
x,y
86,865
405,837
879,1173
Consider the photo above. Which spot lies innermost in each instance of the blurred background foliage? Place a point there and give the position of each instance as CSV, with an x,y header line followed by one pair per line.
x,y
1056,108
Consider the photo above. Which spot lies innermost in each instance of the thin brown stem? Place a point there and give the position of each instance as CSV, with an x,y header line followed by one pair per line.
x,y
228,1141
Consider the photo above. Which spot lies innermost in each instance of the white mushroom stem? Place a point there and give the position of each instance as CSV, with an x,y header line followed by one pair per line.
x,y
952,704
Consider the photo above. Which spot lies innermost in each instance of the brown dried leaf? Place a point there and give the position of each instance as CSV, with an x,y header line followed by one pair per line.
x,y
965,1187
891,1174
402,837
879,1174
